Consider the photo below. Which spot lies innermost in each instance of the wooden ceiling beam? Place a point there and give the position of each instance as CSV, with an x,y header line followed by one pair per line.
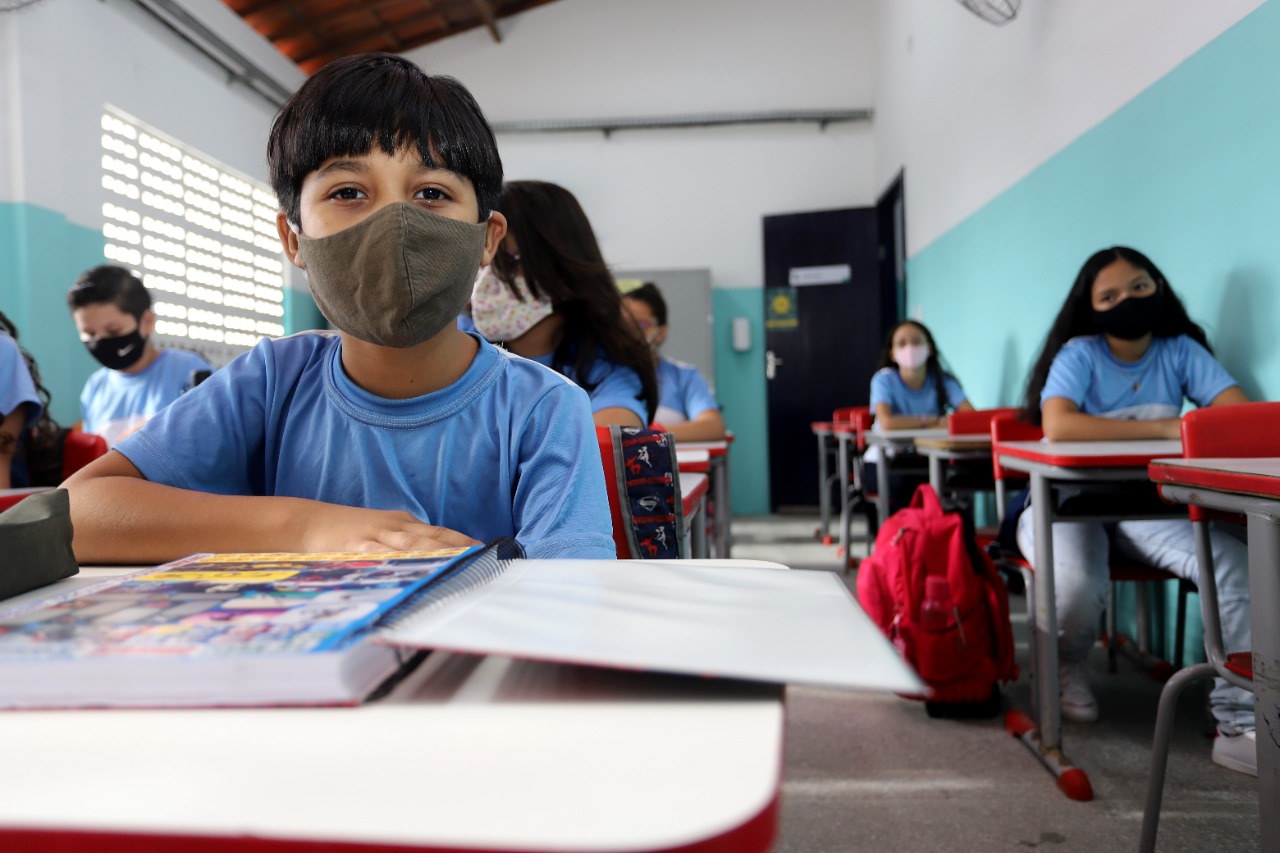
x,y
487,14
353,37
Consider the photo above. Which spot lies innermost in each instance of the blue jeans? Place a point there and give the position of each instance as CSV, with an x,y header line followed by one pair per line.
x,y
1081,580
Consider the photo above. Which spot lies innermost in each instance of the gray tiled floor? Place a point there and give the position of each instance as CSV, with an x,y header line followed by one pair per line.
x,y
869,772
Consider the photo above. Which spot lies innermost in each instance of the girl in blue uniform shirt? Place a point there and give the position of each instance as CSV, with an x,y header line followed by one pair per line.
x,y
686,407
1118,363
550,297
910,391
29,438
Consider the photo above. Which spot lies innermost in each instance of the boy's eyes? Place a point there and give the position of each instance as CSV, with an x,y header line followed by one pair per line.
x,y
426,194
432,194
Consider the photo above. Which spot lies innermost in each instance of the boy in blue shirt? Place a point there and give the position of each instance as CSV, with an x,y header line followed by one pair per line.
x,y
112,312
398,431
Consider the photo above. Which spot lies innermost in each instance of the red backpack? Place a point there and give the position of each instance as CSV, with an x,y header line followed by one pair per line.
x,y
944,606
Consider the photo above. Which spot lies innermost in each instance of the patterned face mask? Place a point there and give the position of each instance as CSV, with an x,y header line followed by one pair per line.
x,y
501,315
396,278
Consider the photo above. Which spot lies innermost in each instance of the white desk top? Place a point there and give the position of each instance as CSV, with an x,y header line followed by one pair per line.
x,y
1086,453
471,752
903,436
1258,467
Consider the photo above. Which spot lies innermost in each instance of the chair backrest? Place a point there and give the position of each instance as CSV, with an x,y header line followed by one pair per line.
x,y
1007,427
643,486
79,449
1240,430
862,418
1225,432
975,422
846,415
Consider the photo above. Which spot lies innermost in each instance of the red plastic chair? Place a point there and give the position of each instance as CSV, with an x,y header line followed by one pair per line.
x,y
1222,432
1007,427
79,449
977,421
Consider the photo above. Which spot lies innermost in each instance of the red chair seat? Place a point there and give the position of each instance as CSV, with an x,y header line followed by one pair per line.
x,y
1241,663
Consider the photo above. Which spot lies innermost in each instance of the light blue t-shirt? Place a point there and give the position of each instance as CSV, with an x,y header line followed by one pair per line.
x,y
616,385
114,404
507,450
16,384
682,392
887,387
1085,372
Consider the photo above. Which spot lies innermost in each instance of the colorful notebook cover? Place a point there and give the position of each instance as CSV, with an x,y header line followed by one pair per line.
x,y
219,629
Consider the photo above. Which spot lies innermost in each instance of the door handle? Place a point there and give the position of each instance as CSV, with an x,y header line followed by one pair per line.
x,y
771,363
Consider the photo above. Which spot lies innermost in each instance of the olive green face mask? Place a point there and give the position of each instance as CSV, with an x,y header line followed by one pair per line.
x,y
396,278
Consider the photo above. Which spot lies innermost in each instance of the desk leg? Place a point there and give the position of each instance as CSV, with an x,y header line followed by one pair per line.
x,y
698,532
1042,734
882,485
842,474
1264,593
723,515
824,488
1045,672
935,473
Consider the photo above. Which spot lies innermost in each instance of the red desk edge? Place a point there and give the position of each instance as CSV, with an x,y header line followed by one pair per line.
x,y
1106,460
1221,481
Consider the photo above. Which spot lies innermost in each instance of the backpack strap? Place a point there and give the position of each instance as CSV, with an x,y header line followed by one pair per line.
x,y
650,502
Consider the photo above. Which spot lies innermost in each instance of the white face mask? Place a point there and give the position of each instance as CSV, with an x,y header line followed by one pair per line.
x,y
912,356
499,314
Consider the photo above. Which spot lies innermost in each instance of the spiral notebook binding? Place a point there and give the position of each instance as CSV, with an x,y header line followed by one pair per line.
x,y
476,571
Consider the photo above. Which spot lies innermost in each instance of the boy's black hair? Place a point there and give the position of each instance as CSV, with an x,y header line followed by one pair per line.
x,y
354,102
650,295
110,284
932,367
1076,319
561,261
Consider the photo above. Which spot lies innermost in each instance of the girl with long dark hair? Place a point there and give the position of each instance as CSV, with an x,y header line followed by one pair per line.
x,y
29,437
1119,362
550,297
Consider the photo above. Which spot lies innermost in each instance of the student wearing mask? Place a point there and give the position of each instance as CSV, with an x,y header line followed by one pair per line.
x,y
686,407
1119,362
550,297
910,390
398,431
112,312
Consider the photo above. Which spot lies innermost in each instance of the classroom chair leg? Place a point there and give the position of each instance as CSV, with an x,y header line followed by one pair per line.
x,y
1072,781
1160,750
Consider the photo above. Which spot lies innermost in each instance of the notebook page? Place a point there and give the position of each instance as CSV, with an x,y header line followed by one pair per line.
x,y
754,623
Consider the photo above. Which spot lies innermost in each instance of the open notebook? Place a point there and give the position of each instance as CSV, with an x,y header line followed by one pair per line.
x,y
268,629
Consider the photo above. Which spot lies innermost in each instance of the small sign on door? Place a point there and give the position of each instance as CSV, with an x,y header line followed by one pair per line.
x,y
780,309
832,274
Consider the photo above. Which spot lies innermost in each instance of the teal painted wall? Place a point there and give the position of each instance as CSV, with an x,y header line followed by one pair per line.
x,y
740,389
1188,172
41,254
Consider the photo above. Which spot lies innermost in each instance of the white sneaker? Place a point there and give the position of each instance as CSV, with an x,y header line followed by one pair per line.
x,y
1237,752
1077,700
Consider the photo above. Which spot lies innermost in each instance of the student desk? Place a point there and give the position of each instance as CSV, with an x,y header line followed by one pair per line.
x,y
1252,487
824,431
693,497
469,753
10,497
718,462
1051,464
888,441
951,448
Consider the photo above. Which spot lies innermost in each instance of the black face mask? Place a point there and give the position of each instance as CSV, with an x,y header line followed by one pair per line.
x,y
1131,318
118,353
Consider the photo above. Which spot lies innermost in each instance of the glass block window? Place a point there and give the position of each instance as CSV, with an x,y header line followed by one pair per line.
x,y
201,236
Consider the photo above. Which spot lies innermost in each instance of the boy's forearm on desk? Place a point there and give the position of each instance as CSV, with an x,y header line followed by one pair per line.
x,y
129,520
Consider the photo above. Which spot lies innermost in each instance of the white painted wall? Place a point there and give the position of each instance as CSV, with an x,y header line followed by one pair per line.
x,y
681,198
970,108
63,59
